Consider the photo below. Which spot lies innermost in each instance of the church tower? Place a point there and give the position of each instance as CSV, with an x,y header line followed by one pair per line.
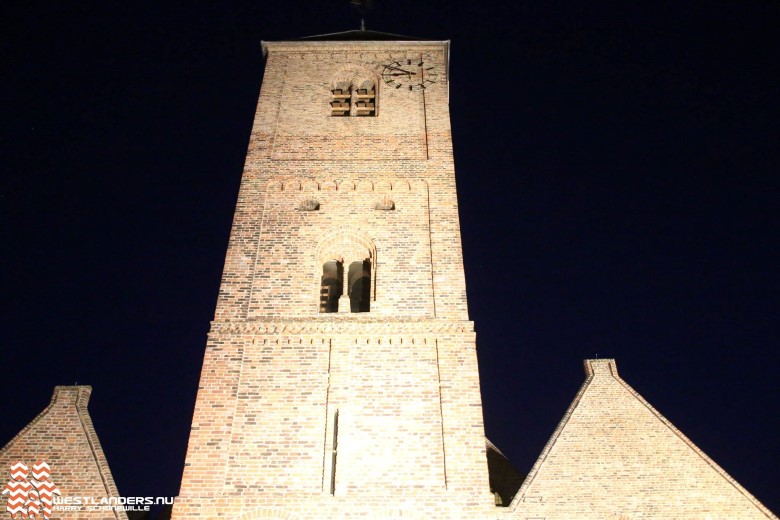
x,y
340,378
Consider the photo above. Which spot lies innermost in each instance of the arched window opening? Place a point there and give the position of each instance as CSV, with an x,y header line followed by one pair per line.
x,y
359,286
353,98
331,286
347,283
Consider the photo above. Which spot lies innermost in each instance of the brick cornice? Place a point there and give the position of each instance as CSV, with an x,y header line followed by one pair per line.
x,y
311,47
343,325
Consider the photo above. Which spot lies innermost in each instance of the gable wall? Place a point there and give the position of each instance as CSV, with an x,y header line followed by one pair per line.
x,y
613,454
63,436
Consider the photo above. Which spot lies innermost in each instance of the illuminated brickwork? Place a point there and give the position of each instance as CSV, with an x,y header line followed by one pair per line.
x,y
614,456
304,406
63,436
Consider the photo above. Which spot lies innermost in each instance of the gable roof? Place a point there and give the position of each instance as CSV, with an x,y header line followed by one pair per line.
x,y
615,456
63,436
360,35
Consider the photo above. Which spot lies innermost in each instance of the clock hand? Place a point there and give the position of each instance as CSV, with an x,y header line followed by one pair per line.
x,y
402,74
402,70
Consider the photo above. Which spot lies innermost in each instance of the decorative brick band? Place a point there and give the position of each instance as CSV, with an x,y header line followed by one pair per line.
x,y
280,185
306,47
346,325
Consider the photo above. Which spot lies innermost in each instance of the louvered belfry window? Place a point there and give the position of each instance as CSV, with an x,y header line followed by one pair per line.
x,y
353,99
340,102
365,102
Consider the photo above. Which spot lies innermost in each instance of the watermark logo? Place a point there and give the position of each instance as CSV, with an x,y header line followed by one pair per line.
x,y
30,498
33,498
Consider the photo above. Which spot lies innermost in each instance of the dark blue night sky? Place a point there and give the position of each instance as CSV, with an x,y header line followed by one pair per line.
x,y
618,180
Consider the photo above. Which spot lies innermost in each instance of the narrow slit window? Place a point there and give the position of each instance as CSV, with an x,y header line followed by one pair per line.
x,y
334,453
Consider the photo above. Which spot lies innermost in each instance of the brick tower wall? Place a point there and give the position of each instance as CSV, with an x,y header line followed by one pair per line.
x,y
349,164
396,387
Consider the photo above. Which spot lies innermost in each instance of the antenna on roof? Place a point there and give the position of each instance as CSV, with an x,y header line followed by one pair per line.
x,y
362,6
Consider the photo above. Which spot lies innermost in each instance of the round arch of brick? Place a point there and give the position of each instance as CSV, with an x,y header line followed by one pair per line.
x,y
348,244
266,513
354,76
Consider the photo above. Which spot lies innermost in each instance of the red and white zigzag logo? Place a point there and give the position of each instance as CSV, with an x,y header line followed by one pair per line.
x,y
30,498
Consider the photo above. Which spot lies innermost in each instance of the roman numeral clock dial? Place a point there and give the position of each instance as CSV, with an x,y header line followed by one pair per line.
x,y
410,74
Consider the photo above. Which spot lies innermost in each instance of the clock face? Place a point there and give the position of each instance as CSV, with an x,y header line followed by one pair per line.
x,y
410,73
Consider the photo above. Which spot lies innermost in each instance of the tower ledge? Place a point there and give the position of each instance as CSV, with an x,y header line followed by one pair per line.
x,y
347,324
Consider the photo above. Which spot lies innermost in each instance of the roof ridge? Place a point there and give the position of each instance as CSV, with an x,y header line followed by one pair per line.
x,y
98,455
551,442
360,34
